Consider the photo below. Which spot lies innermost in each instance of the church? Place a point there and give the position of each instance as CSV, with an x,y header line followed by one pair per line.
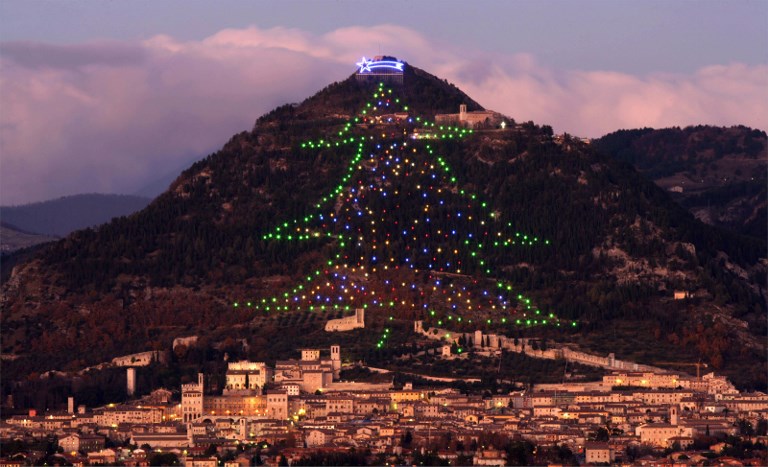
x,y
474,119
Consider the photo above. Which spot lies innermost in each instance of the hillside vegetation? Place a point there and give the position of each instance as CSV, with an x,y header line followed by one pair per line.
x,y
719,174
322,208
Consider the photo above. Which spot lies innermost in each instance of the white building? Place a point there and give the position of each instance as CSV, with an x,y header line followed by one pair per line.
x,y
347,323
599,453
662,434
470,119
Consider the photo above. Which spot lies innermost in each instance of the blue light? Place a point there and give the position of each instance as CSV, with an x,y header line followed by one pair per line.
x,y
369,66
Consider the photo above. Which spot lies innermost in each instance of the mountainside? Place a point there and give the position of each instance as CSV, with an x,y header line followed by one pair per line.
x,y
62,216
158,185
357,198
719,174
12,238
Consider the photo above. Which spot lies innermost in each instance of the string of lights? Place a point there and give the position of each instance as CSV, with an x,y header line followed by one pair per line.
x,y
440,251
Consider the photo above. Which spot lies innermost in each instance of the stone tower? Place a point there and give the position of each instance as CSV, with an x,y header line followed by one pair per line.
x,y
336,360
130,376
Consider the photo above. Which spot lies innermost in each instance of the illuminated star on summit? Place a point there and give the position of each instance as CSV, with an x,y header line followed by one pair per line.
x,y
365,65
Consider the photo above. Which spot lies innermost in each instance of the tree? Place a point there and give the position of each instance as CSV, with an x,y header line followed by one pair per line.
x,y
407,440
745,427
762,427
211,450
163,458
602,434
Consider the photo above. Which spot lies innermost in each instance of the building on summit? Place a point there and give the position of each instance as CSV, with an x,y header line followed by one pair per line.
x,y
473,119
380,69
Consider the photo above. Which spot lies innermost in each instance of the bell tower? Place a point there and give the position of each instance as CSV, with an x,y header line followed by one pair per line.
x,y
336,360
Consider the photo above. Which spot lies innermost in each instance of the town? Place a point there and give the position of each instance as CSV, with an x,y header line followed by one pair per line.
x,y
300,412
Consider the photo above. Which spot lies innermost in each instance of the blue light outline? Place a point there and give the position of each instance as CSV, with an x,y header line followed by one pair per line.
x,y
368,66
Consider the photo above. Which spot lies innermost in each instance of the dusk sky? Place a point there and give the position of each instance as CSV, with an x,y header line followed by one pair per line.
x,y
108,96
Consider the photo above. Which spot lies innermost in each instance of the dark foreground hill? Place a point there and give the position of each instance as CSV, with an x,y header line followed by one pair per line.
x,y
719,174
356,198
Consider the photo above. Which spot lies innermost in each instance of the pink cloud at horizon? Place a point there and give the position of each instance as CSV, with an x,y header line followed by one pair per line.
x,y
111,116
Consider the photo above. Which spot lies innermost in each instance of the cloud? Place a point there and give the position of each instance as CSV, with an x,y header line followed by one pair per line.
x,y
38,55
111,116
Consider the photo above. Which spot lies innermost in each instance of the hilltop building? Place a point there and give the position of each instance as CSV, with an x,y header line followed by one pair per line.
x,y
381,68
470,119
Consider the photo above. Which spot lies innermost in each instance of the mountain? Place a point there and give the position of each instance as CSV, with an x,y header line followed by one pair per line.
x,y
365,195
12,238
59,217
719,174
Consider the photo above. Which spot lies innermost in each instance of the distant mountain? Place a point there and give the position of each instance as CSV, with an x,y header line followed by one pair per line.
x,y
719,174
13,238
367,195
60,217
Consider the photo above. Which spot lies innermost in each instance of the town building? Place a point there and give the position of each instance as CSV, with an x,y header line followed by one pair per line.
x,y
599,453
246,377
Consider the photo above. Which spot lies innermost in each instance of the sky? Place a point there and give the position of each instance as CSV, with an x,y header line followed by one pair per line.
x,y
109,96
